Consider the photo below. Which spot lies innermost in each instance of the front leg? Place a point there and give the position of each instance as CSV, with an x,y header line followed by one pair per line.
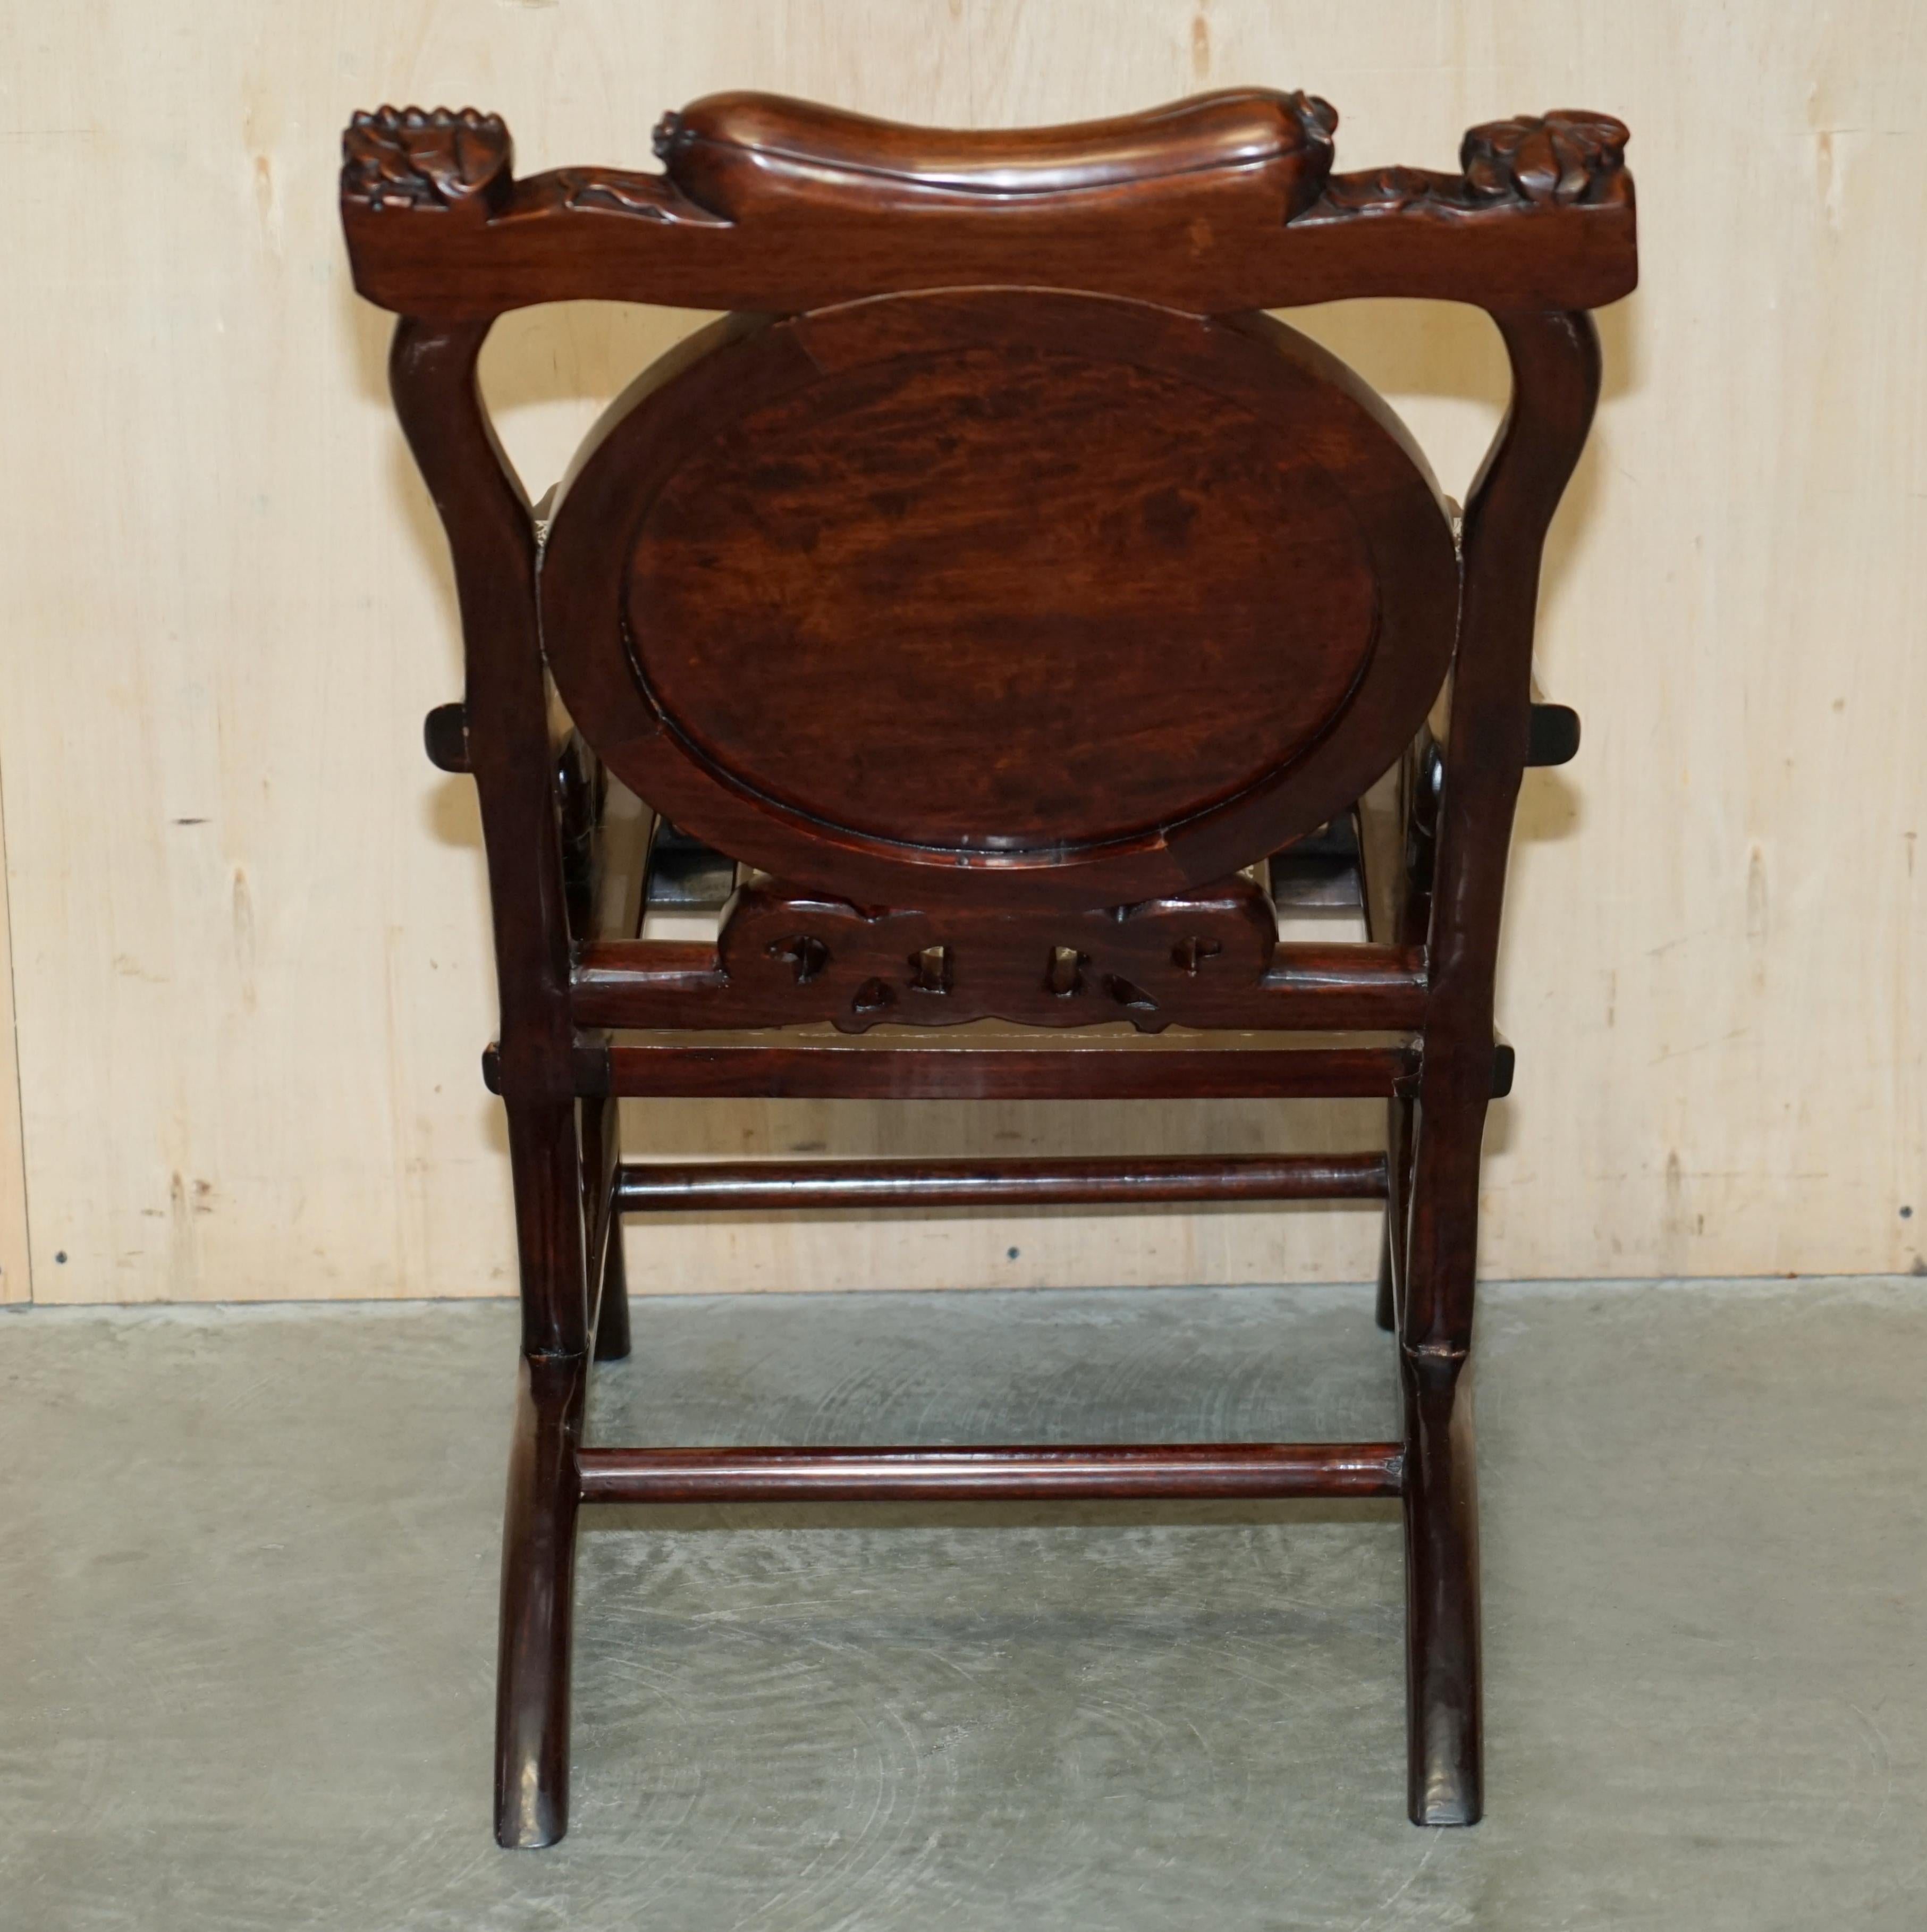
x,y
531,1752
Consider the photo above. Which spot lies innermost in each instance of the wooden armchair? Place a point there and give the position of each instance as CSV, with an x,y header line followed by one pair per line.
x,y
1002,613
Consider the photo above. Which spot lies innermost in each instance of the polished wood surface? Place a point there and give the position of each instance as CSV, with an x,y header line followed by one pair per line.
x,y
744,1186
742,154
1050,972
958,1072
996,632
888,600
786,235
1110,1471
538,1585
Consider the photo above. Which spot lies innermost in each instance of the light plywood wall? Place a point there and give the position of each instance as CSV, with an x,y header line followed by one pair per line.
x,y
250,957
16,1274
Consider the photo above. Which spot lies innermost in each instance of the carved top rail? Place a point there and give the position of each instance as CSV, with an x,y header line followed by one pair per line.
x,y
1228,201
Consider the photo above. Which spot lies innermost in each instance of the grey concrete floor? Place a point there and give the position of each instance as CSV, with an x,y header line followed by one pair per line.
x,y
247,1561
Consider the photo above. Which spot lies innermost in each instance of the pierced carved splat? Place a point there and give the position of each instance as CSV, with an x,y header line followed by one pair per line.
x,y
793,958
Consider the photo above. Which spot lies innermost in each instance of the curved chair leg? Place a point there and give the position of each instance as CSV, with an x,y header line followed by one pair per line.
x,y
532,1712
1441,1500
531,1718
1446,1780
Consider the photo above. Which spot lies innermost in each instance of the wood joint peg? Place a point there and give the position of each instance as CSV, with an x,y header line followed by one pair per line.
x,y
1553,738
1504,1063
444,735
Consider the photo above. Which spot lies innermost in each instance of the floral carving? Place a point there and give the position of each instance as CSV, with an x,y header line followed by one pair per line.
x,y
424,158
1564,158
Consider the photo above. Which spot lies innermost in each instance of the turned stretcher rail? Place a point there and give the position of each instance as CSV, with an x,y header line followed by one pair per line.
x,y
1267,1470
738,1185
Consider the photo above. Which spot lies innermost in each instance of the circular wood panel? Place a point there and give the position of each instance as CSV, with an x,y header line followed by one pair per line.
x,y
931,597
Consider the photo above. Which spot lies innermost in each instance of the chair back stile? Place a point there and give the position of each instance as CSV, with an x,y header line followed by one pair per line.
x,y
1013,615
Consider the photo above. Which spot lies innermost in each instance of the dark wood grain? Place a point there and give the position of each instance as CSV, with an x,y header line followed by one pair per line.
x,y
1008,593
742,156
888,600
532,1732
1305,986
1114,1472
1445,1724
1160,961
438,225
492,540
444,737
1555,366
924,1072
746,1185
1554,739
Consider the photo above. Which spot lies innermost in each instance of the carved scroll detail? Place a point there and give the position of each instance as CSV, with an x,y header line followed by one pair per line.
x,y
668,137
419,158
1569,156
618,192
1381,190
1317,122
1166,961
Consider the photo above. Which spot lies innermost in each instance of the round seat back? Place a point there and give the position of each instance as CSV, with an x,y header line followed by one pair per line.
x,y
957,597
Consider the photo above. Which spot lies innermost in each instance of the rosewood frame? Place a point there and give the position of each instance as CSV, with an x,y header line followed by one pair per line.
x,y
1212,209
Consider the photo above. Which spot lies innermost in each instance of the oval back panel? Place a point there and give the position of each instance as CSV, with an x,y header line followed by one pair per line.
x,y
949,598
